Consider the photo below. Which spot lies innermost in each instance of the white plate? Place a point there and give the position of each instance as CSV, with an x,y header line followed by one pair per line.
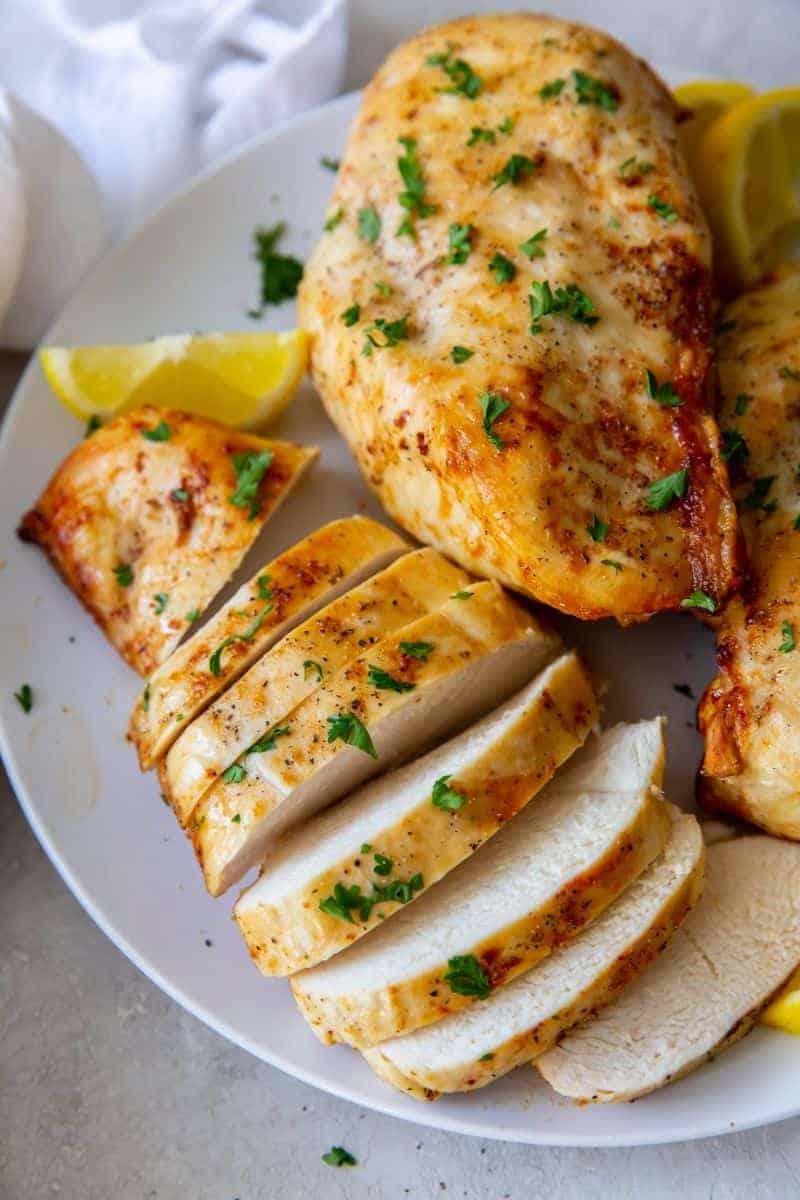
x,y
102,823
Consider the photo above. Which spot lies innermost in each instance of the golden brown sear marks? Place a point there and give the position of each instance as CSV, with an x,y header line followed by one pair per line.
x,y
570,138
140,523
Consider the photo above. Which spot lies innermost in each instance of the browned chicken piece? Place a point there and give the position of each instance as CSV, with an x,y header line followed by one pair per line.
x,y
511,324
750,713
149,517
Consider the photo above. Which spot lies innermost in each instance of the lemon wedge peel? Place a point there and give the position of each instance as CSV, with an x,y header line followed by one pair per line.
x,y
744,166
242,379
784,1011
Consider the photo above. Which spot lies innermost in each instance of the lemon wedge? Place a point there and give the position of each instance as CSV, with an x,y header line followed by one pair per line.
x,y
746,165
704,100
242,379
784,1011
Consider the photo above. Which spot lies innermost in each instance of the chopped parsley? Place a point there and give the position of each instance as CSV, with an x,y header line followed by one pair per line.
x,y
146,697
569,301
589,90
385,682
280,273
337,1156
443,796
486,1057
742,404
250,469
179,495
460,354
161,600
550,90
467,977
342,901
700,600
633,168
506,125
734,446
492,408
124,574
789,373
192,615
265,594
234,774
459,238
351,315
413,198
330,164
672,487
369,224
663,393
664,210
346,727
346,899
610,562
383,865
597,529
160,433
787,636
757,496
503,268
312,667
516,169
477,134
366,847
392,331
333,220
269,740
533,248
383,289
237,818
462,595
24,697
463,79
92,425
420,650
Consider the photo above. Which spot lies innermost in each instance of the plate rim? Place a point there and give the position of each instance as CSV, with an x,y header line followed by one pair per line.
x,y
437,1118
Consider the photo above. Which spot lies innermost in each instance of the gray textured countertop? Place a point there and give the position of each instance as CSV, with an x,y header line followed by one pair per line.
x,y
108,1089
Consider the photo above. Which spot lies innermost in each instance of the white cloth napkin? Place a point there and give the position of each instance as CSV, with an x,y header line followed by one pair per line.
x,y
148,94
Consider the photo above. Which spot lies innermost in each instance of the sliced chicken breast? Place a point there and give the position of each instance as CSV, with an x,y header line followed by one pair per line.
x,y
416,584
521,1021
550,872
705,992
749,713
282,594
148,518
378,710
530,212
400,834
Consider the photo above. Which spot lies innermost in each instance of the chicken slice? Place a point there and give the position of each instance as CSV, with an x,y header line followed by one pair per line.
x,y
379,709
749,713
553,869
414,824
148,518
705,992
418,583
283,593
525,1019
521,244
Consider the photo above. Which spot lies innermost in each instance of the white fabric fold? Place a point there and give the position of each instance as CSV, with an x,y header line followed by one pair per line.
x,y
149,93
